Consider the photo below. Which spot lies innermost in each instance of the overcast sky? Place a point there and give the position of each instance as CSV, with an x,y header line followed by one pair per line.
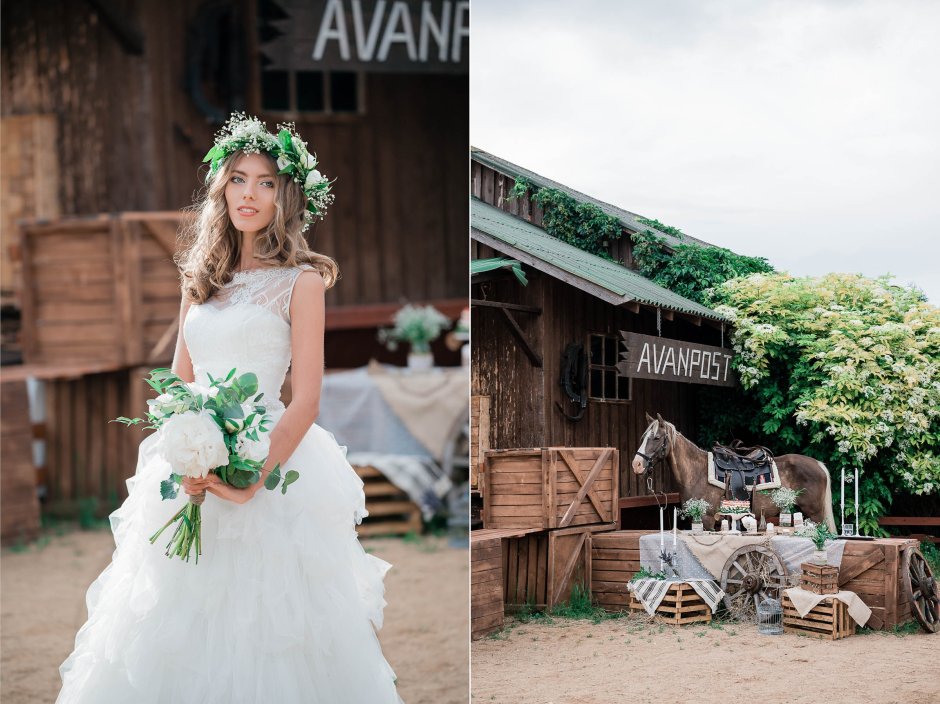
x,y
807,132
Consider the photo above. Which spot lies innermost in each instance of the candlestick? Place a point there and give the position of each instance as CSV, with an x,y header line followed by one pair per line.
x,y
842,523
857,532
662,536
675,526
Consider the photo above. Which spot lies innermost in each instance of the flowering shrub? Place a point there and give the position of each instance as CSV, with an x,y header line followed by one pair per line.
x,y
846,369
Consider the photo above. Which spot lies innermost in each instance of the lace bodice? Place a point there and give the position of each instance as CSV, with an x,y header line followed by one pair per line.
x,y
245,325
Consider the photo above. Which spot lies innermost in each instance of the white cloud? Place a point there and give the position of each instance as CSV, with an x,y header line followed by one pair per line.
x,y
806,132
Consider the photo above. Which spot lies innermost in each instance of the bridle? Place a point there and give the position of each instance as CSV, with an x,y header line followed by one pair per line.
x,y
649,461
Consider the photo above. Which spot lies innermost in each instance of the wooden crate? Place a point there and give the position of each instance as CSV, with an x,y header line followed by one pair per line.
x,y
550,487
541,568
681,605
100,289
479,436
615,558
19,504
828,620
391,511
819,579
486,584
872,569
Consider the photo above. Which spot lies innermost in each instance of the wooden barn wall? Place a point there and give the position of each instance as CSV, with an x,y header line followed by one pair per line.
x,y
130,138
523,399
500,369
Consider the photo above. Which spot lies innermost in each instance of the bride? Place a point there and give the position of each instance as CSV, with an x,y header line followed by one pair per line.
x,y
283,604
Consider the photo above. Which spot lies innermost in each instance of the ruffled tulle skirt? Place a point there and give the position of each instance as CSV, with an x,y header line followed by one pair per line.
x,y
282,606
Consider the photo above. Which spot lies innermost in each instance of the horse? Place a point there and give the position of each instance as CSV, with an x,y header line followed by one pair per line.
x,y
662,442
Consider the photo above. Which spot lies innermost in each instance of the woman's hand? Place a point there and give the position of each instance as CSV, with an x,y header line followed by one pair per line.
x,y
194,485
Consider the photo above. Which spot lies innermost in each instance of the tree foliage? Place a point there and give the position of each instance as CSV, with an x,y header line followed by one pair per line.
x,y
689,269
583,225
845,369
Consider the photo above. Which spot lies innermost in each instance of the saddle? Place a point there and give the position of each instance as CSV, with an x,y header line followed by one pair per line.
x,y
737,467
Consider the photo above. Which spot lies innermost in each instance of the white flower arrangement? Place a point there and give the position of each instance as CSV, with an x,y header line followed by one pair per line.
x,y
248,134
694,509
417,325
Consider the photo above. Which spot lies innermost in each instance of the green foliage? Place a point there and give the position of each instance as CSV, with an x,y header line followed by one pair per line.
x,y
646,574
931,553
583,225
845,369
690,270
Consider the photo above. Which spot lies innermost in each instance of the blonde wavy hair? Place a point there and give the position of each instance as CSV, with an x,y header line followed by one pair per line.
x,y
211,246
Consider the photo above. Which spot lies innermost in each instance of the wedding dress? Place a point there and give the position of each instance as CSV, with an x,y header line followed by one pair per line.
x,y
281,607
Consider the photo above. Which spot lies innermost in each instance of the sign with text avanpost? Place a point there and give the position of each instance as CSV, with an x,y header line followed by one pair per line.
x,y
649,357
375,36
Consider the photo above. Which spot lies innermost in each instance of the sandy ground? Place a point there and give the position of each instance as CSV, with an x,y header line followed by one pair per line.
x,y
630,660
425,637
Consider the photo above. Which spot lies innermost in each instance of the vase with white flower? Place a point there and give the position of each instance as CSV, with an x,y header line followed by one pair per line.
x,y
419,326
220,429
785,498
695,509
820,534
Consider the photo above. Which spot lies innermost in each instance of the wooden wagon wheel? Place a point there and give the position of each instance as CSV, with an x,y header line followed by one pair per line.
x,y
752,573
921,590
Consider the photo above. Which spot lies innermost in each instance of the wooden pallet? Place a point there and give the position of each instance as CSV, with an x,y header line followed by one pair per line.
x,y
486,584
829,620
391,512
681,605
819,579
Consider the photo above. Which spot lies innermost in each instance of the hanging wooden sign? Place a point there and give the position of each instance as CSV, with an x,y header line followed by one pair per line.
x,y
649,357
401,36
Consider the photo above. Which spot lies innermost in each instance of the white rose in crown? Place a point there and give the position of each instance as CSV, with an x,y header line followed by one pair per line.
x,y
282,161
256,450
193,444
310,161
313,178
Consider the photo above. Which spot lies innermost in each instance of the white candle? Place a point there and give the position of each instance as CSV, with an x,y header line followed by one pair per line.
x,y
856,503
675,526
843,499
662,536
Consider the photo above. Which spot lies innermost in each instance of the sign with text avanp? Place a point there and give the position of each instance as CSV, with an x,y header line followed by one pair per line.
x,y
648,357
375,36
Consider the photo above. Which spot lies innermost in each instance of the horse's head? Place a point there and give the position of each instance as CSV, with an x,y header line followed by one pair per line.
x,y
655,445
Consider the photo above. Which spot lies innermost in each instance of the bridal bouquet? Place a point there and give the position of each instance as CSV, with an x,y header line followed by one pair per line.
x,y
221,429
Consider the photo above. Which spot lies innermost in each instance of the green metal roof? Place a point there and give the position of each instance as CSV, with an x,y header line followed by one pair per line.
x,y
629,220
602,278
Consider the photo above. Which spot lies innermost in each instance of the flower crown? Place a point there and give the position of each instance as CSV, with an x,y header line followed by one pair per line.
x,y
249,135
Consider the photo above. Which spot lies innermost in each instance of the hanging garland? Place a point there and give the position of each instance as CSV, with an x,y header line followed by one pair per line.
x,y
583,225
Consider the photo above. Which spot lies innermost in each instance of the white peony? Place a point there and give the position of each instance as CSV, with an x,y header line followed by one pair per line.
x,y
282,162
255,450
193,444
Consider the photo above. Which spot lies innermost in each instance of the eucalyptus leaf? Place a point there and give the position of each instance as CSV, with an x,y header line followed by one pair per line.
x,y
168,489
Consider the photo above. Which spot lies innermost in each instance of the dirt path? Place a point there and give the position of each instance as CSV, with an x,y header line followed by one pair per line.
x,y
425,637
628,660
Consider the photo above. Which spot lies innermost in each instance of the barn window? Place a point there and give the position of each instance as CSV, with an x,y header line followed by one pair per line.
x,y
604,381
312,92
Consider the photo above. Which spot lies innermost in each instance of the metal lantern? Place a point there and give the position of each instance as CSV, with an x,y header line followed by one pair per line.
x,y
770,617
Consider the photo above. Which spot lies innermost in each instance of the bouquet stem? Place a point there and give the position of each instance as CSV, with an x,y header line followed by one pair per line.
x,y
188,531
